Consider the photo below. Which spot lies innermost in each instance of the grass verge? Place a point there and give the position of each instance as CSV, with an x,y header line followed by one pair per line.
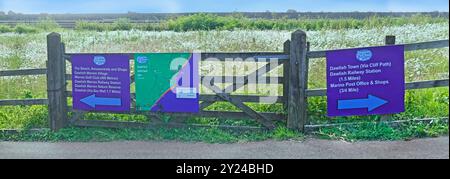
x,y
382,131
363,131
208,135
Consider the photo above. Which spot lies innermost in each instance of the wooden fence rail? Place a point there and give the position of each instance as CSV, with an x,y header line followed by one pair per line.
x,y
23,102
408,86
408,47
24,72
294,59
220,56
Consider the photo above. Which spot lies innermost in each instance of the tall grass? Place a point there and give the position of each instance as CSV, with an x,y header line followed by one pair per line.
x,y
214,22
203,21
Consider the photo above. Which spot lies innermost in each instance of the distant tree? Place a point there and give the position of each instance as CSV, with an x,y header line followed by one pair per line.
x,y
3,15
238,15
11,13
291,11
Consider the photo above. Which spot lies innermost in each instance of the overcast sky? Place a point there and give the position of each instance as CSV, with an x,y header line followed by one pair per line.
x,y
123,6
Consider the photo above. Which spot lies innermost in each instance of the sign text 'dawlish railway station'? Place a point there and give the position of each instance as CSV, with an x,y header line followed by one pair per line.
x,y
366,81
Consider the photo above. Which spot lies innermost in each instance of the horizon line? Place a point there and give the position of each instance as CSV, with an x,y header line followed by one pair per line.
x,y
298,12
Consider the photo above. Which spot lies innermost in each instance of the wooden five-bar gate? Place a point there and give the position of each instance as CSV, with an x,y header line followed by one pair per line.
x,y
294,59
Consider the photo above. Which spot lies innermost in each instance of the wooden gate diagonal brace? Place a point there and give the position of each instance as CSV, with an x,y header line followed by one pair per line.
x,y
266,122
258,73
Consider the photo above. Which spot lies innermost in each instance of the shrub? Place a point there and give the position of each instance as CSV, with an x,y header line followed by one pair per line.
x,y
24,29
215,22
5,29
91,26
122,24
47,25
205,21
152,26
197,22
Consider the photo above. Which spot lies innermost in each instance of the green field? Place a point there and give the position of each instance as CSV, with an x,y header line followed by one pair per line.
x,y
24,46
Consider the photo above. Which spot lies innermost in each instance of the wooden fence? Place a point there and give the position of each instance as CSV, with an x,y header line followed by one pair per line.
x,y
294,59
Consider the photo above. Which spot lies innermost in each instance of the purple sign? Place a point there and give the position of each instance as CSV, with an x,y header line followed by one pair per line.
x,y
167,82
101,82
366,81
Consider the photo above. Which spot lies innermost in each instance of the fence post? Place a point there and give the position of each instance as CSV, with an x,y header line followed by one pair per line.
x,y
286,50
56,82
298,79
389,40
305,83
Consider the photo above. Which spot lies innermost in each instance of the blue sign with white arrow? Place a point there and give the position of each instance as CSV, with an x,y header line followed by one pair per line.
x,y
366,81
370,103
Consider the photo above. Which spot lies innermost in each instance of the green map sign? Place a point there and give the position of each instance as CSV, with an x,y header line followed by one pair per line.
x,y
167,82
